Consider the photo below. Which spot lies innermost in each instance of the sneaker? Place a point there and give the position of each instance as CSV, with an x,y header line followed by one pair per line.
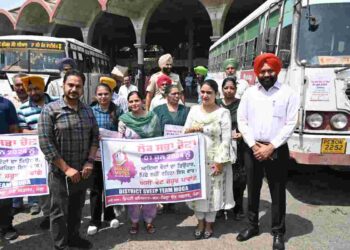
x,y
35,209
10,233
79,242
45,223
92,230
114,223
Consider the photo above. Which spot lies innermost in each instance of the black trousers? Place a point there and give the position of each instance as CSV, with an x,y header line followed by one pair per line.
x,y
5,214
66,209
96,194
239,178
276,174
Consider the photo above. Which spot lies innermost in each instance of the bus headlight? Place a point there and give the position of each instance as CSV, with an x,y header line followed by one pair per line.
x,y
339,121
314,120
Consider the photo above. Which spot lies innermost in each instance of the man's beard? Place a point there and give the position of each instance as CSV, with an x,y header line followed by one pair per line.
x,y
166,70
267,82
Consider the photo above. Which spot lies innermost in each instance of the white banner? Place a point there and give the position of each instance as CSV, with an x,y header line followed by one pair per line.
x,y
156,170
23,169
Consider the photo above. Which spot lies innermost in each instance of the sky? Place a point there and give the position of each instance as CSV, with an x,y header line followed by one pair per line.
x,y
10,4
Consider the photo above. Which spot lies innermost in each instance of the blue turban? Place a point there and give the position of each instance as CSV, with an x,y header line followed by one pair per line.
x,y
64,61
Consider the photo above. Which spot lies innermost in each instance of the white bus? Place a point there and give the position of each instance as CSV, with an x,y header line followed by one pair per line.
x,y
312,38
37,55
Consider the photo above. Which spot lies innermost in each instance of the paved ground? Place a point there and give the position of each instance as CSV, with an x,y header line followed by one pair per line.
x,y
317,218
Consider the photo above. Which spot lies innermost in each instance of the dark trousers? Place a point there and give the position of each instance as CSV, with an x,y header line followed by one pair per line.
x,y
5,214
276,174
96,195
66,209
239,178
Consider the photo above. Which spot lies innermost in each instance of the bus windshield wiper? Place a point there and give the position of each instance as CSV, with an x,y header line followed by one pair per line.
x,y
341,70
13,64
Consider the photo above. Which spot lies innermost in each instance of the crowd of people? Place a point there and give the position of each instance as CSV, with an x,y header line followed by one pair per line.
x,y
245,135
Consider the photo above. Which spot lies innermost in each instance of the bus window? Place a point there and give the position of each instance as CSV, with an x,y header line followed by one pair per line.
x,y
13,60
241,54
271,32
250,54
284,47
45,60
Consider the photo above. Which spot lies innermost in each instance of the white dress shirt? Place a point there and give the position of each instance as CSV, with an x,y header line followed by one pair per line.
x,y
55,88
124,91
268,116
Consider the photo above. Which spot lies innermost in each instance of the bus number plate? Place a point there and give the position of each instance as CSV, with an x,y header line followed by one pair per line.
x,y
333,146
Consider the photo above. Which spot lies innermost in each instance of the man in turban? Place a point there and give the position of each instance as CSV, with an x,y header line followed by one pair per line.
x,y
267,116
28,117
165,64
55,88
162,81
201,73
230,66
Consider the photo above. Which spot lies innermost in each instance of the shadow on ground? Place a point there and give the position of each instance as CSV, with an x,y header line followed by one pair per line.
x,y
316,185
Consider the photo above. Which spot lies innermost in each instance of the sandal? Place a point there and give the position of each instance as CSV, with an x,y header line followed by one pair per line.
x,y
150,228
198,234
207,234
134,229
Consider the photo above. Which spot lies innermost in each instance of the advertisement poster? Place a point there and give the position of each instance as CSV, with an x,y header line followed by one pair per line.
x,y
156,170
23,169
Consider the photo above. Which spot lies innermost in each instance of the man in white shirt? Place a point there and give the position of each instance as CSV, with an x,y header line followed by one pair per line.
x,y
267,116
127,87
230,66
55,87
165,64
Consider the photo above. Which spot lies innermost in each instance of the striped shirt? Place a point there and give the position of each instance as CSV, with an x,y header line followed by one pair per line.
x,y
67,134
28,113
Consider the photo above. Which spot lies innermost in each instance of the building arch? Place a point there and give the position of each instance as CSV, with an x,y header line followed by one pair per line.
x,y
190,42
7,23
34,16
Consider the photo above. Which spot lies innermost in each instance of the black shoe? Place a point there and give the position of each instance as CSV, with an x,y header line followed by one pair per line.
x,y
45,223
10,233
79,242
278,242
248,233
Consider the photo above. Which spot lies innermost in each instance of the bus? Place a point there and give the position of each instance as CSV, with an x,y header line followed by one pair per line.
x,y
312,39
37,55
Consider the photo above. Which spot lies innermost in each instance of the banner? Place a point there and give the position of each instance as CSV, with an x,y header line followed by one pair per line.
x,y
156,170
170,130
23,169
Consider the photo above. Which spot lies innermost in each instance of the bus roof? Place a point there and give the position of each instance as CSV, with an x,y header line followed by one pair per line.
x,y
255,14
49,39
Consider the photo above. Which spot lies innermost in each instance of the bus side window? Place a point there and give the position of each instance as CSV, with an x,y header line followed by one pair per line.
x,y
284,48
270,41
80,62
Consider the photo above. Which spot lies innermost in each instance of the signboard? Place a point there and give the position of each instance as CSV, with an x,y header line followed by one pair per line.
x,y
157,170
15,44
23,169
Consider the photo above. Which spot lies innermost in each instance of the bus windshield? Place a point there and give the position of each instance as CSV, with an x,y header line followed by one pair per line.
x,y
27,56
327,43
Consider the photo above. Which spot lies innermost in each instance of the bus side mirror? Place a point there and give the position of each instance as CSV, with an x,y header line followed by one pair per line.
x,y
284,55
